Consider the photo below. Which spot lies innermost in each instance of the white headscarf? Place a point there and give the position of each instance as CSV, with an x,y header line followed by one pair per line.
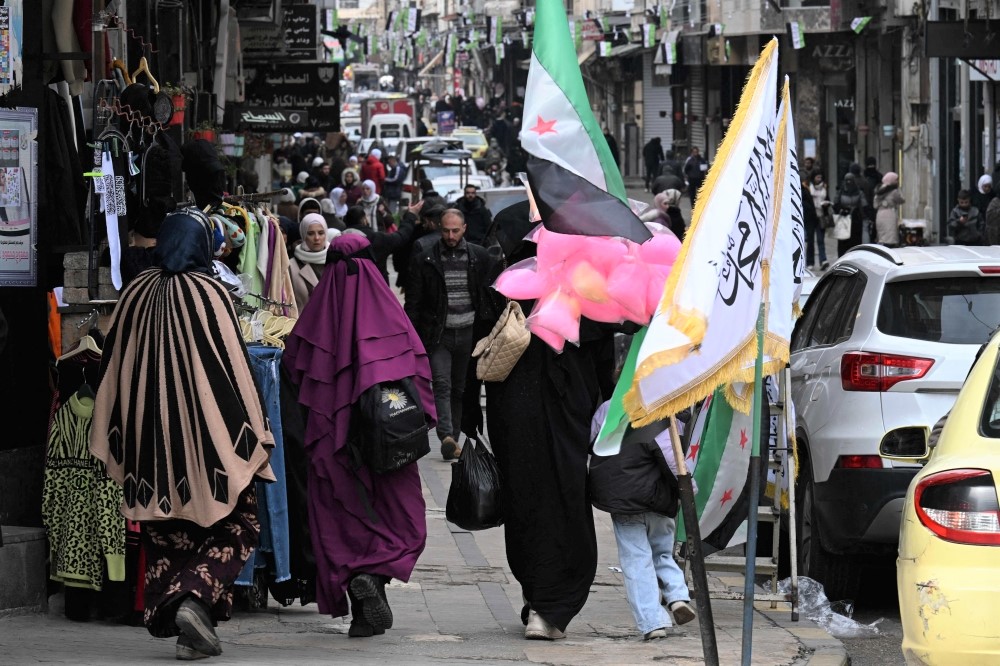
x,y
985,179
376,153
302,177
302,252
339,209
374,195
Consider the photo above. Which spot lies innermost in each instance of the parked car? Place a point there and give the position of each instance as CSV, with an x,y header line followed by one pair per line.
x,y
886,340
948,572
475,142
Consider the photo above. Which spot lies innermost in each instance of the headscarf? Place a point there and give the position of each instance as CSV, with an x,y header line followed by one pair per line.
x,y
984,180
373,197
353,160
890,178
671,198
376,153
309,220
317,162
302,251
339,209
302,205
302,178
850,184
343,176
185,242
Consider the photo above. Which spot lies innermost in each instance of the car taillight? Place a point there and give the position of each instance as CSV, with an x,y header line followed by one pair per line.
x,y
859,462
862,371
959,505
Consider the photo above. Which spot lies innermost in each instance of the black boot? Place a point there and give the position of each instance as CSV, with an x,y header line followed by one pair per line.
x,y
360,627
370,592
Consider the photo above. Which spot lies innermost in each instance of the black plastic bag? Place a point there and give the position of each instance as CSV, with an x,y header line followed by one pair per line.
x,y
474,497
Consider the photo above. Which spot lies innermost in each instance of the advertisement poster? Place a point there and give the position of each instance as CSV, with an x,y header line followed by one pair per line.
x,y
11,38
18,188
445,122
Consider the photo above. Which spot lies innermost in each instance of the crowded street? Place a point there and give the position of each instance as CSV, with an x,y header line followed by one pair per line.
x,y
495,332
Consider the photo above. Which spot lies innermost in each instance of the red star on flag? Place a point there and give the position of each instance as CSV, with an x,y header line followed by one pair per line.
x,y
726,497
544,127
693,451
743,438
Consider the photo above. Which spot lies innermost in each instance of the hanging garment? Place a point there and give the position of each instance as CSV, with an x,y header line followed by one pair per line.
x,y
80,504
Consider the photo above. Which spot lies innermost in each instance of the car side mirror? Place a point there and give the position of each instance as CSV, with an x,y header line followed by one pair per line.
x,y
907,444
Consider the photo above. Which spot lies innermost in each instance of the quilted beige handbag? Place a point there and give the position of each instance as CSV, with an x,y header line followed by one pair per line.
x,y
499,351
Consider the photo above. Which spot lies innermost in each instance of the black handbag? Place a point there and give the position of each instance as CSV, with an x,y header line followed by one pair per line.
x,y
391,426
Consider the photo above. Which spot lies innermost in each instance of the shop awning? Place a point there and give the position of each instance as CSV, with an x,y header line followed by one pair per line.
x,y
435,61
966,40
624,50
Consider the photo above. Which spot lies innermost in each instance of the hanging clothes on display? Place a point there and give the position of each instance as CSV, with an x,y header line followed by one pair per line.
x,y
62,192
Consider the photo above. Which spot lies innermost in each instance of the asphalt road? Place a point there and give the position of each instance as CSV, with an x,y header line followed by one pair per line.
x,y
878,602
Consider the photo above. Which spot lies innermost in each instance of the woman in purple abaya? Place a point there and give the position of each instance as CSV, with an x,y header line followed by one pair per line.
x,y
366,528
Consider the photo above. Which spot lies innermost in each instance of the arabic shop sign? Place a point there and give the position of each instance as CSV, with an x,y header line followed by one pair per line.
x,y
290,86
273,119
295,38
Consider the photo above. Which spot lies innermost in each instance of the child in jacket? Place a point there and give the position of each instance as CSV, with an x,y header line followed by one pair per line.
x,y
638,487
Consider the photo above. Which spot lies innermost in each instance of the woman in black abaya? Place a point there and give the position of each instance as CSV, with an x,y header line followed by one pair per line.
x,y
539,423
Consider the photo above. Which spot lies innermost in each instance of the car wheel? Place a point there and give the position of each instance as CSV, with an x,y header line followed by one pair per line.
x,y
839,574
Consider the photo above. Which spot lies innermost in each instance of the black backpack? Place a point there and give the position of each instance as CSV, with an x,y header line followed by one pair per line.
x,y
391,426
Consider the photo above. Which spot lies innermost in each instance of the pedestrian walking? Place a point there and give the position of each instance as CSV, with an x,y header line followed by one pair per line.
x,y
443,299
351,186
868,211
984,193
188,457
539,425
821,201
476,214
366,528
395,177
665,210
850,200
695,169
376,211
374,170
888,199
308,258
813,227
872,174
382,243
638,487
652,155
612,146
671,176
964,221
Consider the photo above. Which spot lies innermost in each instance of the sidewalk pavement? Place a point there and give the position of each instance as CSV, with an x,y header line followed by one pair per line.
x,y
461,607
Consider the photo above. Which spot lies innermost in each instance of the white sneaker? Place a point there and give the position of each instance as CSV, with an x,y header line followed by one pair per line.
x,y
655,634
539,629
682,612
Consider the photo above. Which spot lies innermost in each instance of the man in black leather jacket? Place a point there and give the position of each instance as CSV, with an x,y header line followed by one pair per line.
x,y
444,298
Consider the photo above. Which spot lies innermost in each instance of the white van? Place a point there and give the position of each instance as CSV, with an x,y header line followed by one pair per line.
x,y
389,128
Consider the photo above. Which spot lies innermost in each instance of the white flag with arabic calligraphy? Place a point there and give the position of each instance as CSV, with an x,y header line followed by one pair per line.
x,y
704,332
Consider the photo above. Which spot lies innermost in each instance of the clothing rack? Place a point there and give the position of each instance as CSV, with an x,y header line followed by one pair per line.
x,y
268,301
133,116
89,319
262,196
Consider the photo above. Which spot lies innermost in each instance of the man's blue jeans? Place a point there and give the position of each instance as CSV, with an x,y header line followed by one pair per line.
x,y
449,363
646,553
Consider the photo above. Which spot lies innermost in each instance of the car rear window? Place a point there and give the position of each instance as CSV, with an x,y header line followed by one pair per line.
x,y
954,310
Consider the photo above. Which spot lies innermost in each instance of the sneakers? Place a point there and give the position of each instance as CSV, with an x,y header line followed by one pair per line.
x,y
195,624
655,634
374,606
825,265
449,448
539,629
682,612
185,650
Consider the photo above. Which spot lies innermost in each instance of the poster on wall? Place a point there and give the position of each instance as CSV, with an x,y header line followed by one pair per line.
x,y
11,38
18,201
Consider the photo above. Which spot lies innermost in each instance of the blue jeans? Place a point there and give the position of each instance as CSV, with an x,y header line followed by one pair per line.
x,y
815,240
449,363
272,498
646,553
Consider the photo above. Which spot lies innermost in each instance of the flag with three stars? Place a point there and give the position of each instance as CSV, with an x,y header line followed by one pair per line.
x,y
572,173
719,460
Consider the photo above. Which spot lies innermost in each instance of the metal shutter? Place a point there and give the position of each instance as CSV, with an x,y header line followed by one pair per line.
x,y
696,110
654,100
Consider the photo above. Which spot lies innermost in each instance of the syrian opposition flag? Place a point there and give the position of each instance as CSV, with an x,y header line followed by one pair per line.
x,y
719,461
576,185
704,333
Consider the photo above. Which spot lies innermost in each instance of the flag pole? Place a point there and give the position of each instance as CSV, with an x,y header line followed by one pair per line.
x,y
752,509
706,623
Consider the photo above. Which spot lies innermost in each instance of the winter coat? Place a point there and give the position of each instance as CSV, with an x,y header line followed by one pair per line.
x,y
392,188
676,222
477,218
638,479
376,221
426,299
992,227
652,154
887,201
372,169
967,231
693,172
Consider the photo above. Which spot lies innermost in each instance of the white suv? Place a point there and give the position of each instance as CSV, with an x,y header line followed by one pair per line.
x,y
885,342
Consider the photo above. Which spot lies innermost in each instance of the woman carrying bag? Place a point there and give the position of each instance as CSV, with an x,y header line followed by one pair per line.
x,y
848,204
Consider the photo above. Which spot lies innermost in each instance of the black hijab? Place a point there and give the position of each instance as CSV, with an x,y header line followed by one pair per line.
x,y
185,243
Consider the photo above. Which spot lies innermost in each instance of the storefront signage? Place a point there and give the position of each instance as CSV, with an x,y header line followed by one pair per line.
x,y
290,86
294,39
273,119
984,70
833,57
592,30
18,197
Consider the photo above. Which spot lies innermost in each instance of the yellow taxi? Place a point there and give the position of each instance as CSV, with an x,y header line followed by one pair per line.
x,y
948,569
475,141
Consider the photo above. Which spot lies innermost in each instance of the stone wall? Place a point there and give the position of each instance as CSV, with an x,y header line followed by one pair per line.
x,y
78,303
